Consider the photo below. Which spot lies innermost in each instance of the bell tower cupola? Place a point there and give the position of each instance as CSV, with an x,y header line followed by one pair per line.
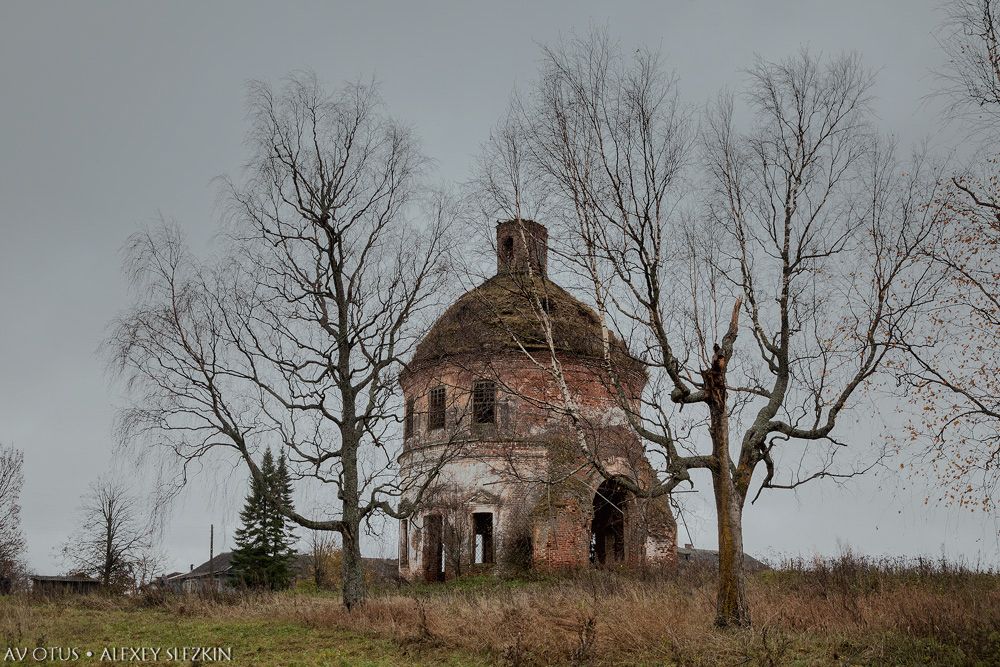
x,y
522,247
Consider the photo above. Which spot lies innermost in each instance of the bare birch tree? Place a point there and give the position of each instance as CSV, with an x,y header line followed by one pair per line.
x,y
297,338
760,305
11,537
953,374
970,81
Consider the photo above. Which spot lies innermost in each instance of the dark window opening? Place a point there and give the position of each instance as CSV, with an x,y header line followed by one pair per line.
x,y
435,411
547,306
408,419
484,399
482,540
433,548
508,249
607,535
404,543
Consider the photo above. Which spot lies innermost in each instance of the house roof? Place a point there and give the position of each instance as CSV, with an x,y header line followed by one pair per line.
x,y
223,564
69,579
220,564
712,556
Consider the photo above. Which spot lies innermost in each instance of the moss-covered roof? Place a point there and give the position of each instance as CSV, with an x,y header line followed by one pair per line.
x,y
502,313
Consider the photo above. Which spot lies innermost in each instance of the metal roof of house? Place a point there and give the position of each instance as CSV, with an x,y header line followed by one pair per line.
x,y
220,564
223,564
74,579
712,556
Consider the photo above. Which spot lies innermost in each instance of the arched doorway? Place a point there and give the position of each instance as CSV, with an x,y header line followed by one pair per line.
x,y
607,530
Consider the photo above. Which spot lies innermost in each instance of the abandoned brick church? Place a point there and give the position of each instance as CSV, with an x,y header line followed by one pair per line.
x,y
515,489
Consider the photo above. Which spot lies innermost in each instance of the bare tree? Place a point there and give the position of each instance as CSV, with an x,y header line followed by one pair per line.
x,y
762,306
114,539
954,358
11,538
952,371
323,557
296,340
970,82
148,565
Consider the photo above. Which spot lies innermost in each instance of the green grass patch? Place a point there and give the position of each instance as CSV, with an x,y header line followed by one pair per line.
x,y
67,625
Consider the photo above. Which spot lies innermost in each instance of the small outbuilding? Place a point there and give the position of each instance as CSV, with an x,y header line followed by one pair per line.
x,y
73,584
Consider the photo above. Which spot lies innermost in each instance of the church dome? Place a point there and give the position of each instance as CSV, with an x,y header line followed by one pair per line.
x,y
502,314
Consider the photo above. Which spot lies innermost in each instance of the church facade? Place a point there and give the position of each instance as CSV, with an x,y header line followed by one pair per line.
x,y
515,486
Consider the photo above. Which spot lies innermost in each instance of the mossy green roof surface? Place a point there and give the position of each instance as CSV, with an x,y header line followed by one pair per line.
x,y
502,315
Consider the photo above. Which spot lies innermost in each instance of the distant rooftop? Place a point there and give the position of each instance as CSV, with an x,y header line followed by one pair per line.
x,y
220,564
692,555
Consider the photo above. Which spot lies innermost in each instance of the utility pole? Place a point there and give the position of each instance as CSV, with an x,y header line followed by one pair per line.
x,y
211,557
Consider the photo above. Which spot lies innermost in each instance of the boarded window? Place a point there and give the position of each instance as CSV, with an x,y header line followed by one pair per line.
x,y
435,412
433,548
408,419
482,544
404,543
484,399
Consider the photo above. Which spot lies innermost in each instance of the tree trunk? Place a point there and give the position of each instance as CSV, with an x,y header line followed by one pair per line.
x,y
732,607
353,567
353,570
108,553
354,580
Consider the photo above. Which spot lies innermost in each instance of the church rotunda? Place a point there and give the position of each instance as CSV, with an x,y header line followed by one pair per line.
x,y
515,486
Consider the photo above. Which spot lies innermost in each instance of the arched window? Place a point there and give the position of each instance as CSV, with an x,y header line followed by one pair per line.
x,y
508,249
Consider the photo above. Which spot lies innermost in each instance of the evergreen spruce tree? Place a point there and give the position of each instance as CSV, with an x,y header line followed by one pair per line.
x,y
263,555
280,535
250,554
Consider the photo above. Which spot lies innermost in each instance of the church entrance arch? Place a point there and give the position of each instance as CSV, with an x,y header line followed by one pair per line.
x,y
607,532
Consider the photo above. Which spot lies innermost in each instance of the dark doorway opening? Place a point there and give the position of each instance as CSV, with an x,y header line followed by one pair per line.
x,y
482,538
607,532
433,548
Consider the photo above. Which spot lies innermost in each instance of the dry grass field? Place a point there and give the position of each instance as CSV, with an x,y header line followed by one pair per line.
x,y
842,612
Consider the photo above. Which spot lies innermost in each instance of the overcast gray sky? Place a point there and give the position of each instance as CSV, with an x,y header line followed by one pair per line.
x,y
112,113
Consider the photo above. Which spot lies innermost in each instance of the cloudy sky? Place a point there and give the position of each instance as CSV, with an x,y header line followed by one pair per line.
x,y
114,113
